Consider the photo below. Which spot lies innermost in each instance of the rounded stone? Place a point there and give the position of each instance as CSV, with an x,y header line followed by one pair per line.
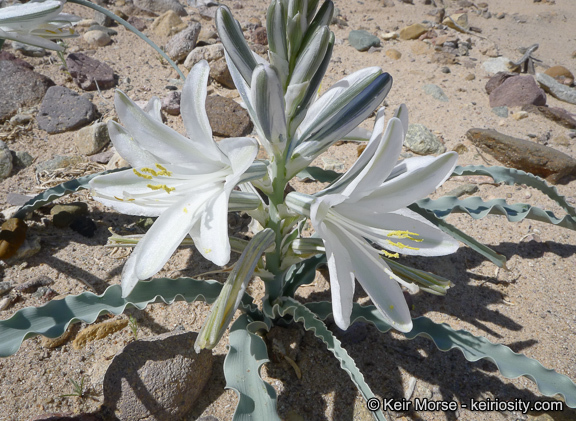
x,y
422,141
157,378
560,73
97,38
363,40
5,161
393,54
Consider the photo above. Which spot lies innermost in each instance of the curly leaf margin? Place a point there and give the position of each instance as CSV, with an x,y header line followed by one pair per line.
x,y
52,319
513,176
246,354
478,209
510,364
301,313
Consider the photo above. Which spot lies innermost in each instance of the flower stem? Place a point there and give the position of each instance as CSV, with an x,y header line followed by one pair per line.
x,y
131,28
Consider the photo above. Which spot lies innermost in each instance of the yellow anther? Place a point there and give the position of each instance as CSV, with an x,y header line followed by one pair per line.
x,y
405,234
117,198
390,255
185,210
207,251
402,246
391,307
163,171
160,186
51,32
139,174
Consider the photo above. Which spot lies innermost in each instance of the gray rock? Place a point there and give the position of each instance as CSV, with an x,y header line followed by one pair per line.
x,y
63,110
89,73
5,55
524,155
498,64
463,190
157,378
422,141
259,36
137,23
22,159
220,73
227,118
183,42
20,87
102,19
207,12
103,157
517,91
97,38
501,111
28,50
556,89
59,161
207,52
16,199
5,161
559,115
5,287
436,92
92,139
363,40
171,103
161,6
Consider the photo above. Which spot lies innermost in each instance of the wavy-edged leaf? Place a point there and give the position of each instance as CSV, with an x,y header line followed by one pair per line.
x,y
510,364
513,176
60,190
478,209
496,258
246,354
302,273
53,318
302,314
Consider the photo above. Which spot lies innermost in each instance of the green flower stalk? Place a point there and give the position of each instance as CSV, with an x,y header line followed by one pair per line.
x,y
229,299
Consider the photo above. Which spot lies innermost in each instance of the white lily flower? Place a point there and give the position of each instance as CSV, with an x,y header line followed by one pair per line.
x,y
369,203
186,182
36,23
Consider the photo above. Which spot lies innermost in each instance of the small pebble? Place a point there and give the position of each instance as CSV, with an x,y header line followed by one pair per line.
x,y
445,69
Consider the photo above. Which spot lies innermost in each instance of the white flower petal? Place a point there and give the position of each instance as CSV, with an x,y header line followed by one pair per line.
x,y
32,11
241,152
129,149
341,273
383,290
211,233
30,40
406,188
193,109
167,233
159,139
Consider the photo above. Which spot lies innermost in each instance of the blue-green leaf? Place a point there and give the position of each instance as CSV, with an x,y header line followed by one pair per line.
x,y
247,353
53,318
513,176
318,174
478,209
510,364
302,314
302,273
60,190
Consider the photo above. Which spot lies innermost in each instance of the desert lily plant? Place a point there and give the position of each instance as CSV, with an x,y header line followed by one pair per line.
x,y
362,222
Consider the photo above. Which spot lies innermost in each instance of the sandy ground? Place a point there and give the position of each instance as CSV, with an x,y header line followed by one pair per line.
x,y
530,308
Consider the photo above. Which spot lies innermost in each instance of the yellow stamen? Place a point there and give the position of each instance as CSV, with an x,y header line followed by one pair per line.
x,y
390,255
139,174
207,251
185,210
402,246
391,307
163,171
51,32
160,186
405,234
